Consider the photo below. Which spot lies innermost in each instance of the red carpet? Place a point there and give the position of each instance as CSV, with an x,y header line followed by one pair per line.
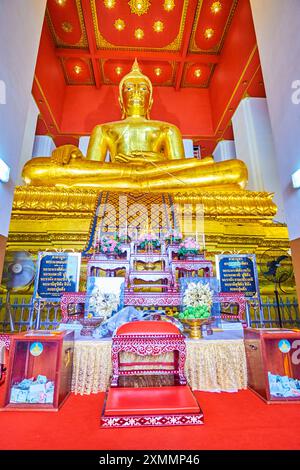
x,y
232,421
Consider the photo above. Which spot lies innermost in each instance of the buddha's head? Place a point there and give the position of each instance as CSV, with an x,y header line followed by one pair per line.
x,y
135,93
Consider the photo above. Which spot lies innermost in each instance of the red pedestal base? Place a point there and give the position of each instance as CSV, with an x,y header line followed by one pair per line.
x,y
151,406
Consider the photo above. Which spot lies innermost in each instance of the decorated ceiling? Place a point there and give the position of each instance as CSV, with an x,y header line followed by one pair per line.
x,y
201,56
177,42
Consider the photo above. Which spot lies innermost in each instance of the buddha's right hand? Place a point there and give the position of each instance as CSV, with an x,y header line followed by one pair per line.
x,y
140,158
62,155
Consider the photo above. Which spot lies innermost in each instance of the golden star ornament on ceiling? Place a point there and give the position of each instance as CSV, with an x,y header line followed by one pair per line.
x,y
139,7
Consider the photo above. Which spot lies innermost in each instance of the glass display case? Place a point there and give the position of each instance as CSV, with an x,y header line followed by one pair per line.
x,y
273,362
39,370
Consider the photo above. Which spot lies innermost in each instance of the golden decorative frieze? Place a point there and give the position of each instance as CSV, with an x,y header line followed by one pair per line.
x,y
248,204
47,200
261,242
218,204
47,237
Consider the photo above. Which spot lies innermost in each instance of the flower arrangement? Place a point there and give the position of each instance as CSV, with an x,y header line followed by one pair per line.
x,y
188,246
198,300
173,236
103,303
148,240
109,245
124,238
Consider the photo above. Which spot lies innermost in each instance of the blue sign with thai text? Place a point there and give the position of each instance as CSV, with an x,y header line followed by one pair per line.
x,y
57,273
237,273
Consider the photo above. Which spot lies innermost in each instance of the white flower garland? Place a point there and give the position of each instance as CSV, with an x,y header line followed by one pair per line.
x,y
103,303
198,294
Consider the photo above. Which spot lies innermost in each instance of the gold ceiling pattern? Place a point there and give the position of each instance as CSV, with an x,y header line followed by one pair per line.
x,y
182,28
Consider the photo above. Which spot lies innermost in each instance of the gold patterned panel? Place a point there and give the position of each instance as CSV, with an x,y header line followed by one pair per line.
x,y
175,45
217,49
194,84
83,43
119,210
71,81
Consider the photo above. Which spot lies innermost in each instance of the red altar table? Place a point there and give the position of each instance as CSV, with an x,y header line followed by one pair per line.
x,y
161,279
146,258
192,266
158,299
150,406
71,299
110,266
148,338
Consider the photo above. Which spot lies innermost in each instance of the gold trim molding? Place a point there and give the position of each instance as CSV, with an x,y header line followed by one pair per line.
x,y
217,204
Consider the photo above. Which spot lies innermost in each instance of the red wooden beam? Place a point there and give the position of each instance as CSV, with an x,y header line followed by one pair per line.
x,y
88,20
202,58
186,40
142,55
69,52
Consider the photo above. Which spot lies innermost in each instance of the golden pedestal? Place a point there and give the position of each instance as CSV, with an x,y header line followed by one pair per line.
x,y
195,326
234,221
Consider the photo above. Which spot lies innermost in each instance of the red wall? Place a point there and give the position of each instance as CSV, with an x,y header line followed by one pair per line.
x,y
84,107
50,75
239,44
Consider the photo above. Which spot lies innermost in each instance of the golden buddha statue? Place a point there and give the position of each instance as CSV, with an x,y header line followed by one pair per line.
x,y
145,155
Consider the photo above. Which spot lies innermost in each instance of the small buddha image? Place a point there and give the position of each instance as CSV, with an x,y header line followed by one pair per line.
x,y
145,155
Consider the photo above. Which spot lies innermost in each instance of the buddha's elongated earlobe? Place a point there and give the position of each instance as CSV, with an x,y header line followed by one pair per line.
x,y
149,108
122,108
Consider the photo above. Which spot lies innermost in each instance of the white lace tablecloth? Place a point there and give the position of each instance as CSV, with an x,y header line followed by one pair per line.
x,y
215,365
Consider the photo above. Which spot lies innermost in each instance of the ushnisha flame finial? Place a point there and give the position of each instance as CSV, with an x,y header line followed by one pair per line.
x,y
135,66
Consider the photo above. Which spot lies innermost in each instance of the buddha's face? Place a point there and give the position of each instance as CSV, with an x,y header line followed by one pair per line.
x,y
136,97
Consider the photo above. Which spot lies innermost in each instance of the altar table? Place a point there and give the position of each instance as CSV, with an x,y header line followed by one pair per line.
x,y
215,365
